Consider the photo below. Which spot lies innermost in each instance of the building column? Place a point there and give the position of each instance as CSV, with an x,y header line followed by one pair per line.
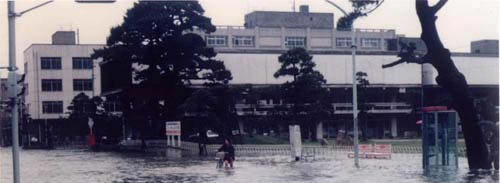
x,y
283,37
319,131
257,37
394,127
230,37
241,127
308,38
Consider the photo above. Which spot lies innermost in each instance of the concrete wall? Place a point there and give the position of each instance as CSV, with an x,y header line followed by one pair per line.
x,y
258,68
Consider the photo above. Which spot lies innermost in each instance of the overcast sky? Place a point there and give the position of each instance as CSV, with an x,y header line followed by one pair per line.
x,y
459,22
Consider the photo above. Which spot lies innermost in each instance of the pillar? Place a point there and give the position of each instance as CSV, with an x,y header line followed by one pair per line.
x,y
241,127
394,127
319,131
178,141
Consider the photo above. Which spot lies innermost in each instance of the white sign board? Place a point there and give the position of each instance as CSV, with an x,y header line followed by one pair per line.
x,y
173,128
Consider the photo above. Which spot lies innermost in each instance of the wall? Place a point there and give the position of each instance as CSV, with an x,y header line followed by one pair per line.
x,y
258,68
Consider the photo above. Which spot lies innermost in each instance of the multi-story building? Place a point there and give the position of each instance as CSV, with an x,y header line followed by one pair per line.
x,y
251,53
57,72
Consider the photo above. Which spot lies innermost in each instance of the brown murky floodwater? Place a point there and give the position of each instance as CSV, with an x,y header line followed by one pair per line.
x,y
80,166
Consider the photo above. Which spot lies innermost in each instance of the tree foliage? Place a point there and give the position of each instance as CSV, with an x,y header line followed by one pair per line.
x,y
361,8
158,38
82,106
307,83
160,41
364,106
305,91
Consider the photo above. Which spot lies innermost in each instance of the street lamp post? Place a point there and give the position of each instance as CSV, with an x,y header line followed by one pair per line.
x,y
354,98
354,88
12,15
366,11
13,89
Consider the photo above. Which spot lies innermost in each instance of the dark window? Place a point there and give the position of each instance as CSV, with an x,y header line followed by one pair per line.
x,y
216,40
51,85
112,106
51,62
243,41
82,85
82,63
295,42
52,107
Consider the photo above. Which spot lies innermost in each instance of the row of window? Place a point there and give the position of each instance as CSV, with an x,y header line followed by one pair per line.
x,y
54,63
49,85
290,42
56,107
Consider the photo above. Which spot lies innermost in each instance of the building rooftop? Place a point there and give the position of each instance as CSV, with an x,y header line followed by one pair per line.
x,y
301,19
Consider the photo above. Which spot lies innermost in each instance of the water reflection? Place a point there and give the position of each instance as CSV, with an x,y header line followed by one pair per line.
x,y
62,166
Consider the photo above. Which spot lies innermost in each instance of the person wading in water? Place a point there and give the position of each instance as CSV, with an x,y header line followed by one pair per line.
x,y
229,153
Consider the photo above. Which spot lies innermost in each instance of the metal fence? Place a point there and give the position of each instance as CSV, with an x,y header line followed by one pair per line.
x,y
307,150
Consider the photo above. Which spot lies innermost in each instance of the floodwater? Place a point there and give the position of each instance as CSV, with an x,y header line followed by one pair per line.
x,y
81,166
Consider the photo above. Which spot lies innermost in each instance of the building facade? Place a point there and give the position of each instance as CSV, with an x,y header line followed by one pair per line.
x,y
55,73
250,52
5,115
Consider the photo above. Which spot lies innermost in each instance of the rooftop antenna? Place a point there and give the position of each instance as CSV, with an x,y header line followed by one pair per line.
x,y
293,8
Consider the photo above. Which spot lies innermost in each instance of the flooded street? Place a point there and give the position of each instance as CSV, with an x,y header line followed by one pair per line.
x,y
80,166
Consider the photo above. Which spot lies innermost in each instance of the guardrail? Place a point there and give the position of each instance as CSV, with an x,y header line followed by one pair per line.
x,y
321,150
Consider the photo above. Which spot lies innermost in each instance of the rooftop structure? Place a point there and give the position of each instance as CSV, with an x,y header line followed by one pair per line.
x,y
301,19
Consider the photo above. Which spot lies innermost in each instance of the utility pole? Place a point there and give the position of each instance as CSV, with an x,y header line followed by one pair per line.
x,y
13,89
354,98
12,79
354,88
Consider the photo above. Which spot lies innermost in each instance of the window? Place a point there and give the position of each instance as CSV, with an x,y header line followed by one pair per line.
x,y
112,106
82,85
216,40
295,42
343,42
82,63
370,42
243,41
52,107
51,62
51,85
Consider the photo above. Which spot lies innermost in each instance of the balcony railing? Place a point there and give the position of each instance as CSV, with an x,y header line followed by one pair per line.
x,y
376,108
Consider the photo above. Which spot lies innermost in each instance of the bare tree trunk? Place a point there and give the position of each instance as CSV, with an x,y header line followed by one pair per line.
x,y
454,82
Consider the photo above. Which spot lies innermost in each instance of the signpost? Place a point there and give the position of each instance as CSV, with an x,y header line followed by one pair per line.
x,y
91,124
172,130
91,138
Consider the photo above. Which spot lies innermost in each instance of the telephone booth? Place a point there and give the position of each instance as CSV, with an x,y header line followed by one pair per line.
x,y
439,138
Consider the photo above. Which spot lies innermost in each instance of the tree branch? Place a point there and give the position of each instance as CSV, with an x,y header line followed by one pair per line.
x,y
438,6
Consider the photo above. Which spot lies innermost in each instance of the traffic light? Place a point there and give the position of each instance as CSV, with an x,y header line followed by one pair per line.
x,y
15,87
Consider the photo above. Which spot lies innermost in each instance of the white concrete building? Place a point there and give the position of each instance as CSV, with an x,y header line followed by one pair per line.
x,y
57,72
